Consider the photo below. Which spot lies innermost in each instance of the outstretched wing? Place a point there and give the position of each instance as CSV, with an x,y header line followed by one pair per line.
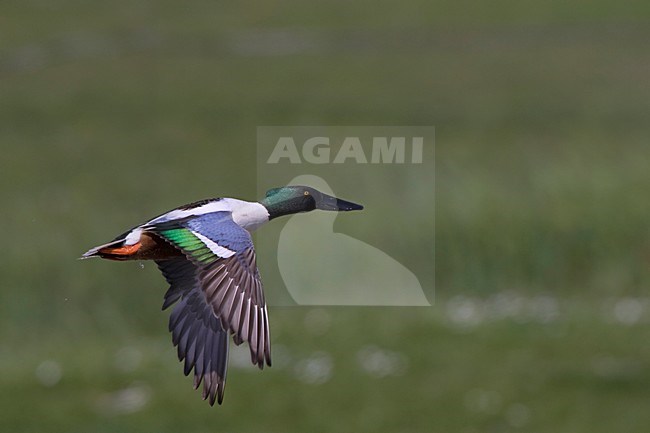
x,y
196,331
233,288
216,282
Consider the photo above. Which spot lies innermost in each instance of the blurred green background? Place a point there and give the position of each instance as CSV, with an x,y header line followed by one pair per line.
x,y
111,112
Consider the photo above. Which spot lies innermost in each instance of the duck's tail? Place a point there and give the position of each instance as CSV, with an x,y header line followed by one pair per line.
x,y
114,250
123,247
136,244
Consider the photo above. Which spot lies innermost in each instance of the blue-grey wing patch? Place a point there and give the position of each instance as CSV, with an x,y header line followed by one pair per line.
x,y
221,229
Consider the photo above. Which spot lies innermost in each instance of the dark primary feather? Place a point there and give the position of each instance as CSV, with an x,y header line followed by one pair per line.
x,y
197,333
233,288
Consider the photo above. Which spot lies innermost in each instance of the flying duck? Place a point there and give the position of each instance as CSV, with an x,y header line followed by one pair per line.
x,y
205,252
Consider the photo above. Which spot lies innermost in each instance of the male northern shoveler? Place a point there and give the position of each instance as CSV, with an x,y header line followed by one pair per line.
x,y
205,252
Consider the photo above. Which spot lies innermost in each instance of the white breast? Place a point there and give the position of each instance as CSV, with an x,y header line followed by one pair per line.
x,y
249,215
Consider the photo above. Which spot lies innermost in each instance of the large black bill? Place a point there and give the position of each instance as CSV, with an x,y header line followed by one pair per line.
x,y
328,202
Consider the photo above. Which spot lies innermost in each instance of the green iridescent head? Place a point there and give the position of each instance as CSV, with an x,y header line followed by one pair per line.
x,y
293,199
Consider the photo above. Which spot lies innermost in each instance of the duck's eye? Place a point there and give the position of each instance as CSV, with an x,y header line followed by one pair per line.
x,y
306,193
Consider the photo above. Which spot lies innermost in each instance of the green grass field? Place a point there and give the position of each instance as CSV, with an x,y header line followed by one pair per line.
x,y
113,112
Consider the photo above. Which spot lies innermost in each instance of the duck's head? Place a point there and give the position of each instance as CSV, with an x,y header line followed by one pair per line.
x,y
293,199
